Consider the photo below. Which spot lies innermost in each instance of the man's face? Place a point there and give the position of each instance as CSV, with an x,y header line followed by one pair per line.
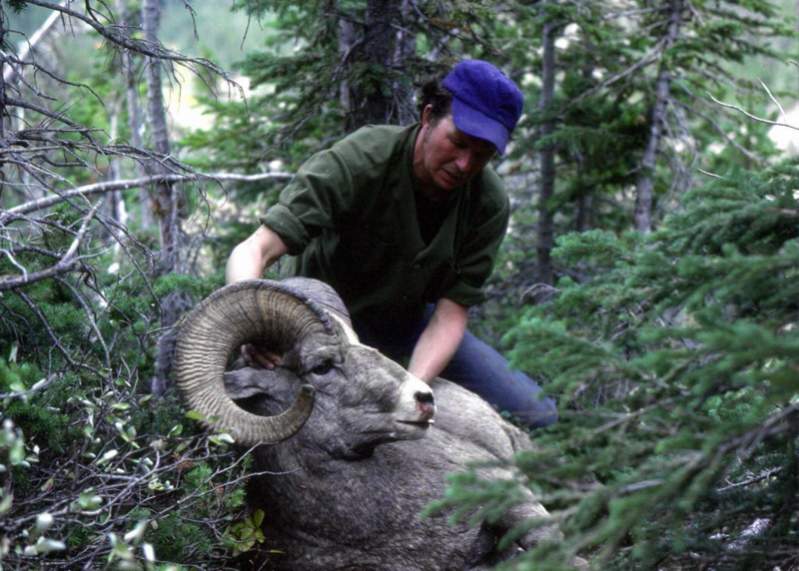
x,y
445,158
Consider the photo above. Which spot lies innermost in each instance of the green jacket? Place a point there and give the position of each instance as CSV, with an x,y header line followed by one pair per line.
x,y
350,217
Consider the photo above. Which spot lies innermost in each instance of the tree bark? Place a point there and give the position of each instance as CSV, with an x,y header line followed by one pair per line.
x,y
347,39
3,111
116,205
545,215
376,93
3,67
585,207
404,51
134,117
166,200
645,184
135,126
174,303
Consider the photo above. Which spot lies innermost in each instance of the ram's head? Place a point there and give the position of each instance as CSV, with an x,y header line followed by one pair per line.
x,y
352,396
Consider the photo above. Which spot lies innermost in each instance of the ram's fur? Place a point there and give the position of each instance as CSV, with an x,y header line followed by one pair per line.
x,y
346,490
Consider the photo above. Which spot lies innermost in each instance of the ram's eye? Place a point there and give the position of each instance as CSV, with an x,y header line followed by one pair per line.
x,y
322,368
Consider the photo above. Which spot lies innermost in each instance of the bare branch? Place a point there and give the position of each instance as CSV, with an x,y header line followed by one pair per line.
x,y
753,117
11,72
771,96
102,187
119,36
92,321
753,480
50,333
36,388
67,263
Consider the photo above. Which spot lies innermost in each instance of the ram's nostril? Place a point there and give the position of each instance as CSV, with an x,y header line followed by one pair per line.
x,y
424,397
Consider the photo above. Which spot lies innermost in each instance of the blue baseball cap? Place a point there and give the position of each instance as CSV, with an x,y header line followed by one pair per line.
x,y
485,103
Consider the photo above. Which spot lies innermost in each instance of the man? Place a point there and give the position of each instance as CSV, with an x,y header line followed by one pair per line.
x,y
405,223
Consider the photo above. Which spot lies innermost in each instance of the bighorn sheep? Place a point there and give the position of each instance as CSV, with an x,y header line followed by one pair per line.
x,y
356,456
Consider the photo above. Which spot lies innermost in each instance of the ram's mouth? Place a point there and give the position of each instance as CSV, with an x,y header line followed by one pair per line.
x,y
419,423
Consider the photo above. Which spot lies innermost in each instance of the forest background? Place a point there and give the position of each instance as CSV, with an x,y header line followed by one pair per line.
x,y
648,279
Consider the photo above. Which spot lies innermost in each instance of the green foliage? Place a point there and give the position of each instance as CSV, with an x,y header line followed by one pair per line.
x,y
181,541
673,356
245,534
678,357
45,424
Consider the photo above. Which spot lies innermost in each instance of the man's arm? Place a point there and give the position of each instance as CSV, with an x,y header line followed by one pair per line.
x,y
439,340
248,261
250,258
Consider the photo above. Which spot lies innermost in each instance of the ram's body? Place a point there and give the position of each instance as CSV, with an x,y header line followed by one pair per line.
x,y
347,489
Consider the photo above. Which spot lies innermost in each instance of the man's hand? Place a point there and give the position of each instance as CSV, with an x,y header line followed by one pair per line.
x,y
251,257
439,340
259,357
247,261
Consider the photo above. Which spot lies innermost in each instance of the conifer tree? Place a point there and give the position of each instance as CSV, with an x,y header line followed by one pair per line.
x,y
677,444
633,104
679,358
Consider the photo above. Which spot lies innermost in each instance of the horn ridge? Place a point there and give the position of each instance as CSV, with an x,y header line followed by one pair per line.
x,y
235,314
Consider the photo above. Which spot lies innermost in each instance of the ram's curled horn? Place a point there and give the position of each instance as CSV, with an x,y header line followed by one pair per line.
x,y
322,294
261,311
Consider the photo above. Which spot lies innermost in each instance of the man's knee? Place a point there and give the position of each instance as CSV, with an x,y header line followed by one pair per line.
x,y
543,412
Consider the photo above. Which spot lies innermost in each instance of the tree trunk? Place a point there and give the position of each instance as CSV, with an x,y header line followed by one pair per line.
x,y
135,126
347,39
376,92
116,206
405,50
3,112
545,215
584,216
3,68
645,184
135,118
166,201
167,208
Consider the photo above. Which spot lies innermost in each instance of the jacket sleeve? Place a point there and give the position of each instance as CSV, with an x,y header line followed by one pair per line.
x,y
320,194
477,253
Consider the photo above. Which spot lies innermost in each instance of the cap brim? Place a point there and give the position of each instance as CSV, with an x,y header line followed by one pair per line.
x,y
477,124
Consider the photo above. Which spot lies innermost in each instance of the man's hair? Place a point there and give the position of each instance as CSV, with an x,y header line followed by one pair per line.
x,y
439,97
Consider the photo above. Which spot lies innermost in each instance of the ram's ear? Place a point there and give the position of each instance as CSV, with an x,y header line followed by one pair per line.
x,y
249,382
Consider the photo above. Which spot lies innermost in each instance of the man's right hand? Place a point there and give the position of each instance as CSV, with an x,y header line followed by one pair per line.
x,y
251,257
259,357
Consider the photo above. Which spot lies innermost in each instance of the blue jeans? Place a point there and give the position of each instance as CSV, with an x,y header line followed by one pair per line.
x,y
475,366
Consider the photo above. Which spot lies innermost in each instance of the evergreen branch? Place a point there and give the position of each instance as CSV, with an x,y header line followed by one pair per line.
x,y
624,418
650,57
